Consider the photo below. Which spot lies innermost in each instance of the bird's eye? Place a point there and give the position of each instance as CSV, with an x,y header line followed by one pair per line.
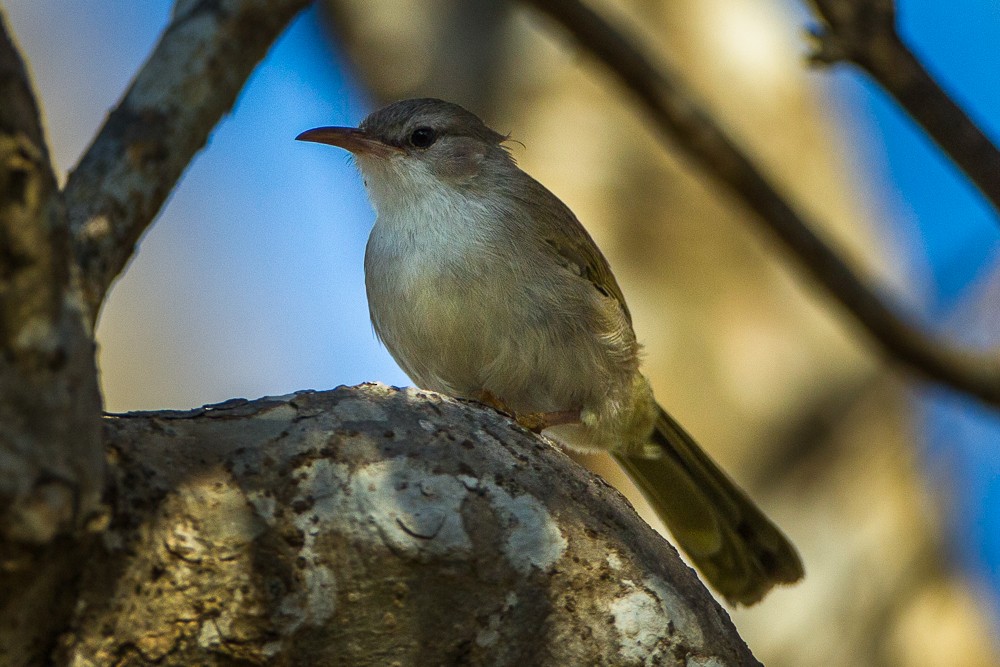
x,y
422,137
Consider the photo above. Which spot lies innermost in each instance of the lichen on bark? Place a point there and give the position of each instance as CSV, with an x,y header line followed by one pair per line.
x,y
373,526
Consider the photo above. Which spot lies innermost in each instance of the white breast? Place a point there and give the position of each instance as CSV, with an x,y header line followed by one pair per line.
x,y
423,268
463,305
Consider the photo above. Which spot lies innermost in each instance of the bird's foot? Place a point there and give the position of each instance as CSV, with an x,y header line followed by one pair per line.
x,y
487,397
533,421
539,421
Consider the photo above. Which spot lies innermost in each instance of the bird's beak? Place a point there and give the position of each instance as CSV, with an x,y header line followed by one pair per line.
x,y
349,138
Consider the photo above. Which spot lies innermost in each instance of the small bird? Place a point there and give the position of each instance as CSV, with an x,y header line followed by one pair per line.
x,y
483,285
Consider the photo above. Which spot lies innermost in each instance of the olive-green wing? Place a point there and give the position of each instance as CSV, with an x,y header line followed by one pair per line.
x,y
572,246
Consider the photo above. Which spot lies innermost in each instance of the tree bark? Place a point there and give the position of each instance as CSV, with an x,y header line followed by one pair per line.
x,y
375,526
51,464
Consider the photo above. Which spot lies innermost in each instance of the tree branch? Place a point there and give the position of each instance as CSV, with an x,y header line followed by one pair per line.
x,y
51,460
691,129
29,290
51,455
375,526
191,79
19,112
863,32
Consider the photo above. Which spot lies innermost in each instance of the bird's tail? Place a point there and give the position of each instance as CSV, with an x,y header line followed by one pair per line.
x,y
738,550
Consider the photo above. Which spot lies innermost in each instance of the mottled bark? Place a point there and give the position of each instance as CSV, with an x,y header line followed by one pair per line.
x,y
51,463
59,252
375,526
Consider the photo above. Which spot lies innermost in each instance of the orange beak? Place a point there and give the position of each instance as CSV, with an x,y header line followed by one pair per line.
x,y
349,138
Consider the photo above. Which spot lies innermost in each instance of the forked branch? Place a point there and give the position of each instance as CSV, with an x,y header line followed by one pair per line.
x,y
191,79
51,462
863,32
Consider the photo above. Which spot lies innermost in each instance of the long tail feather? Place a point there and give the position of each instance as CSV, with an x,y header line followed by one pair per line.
x,y
738,549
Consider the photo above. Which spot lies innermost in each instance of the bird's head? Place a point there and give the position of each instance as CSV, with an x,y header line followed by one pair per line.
x,y
412,148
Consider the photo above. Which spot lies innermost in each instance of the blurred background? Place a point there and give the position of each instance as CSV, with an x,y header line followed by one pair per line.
x,y
250,283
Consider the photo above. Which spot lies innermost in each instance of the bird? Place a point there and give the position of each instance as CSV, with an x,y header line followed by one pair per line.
x,y
484,285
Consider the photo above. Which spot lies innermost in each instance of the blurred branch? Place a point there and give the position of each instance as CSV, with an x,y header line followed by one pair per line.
x,y
191,79
51,460
691,128
51,455
863,32
19,112
457,46
28,290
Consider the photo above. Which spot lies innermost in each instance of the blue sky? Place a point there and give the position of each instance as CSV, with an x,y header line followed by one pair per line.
x,y
250,282
955,237
956,232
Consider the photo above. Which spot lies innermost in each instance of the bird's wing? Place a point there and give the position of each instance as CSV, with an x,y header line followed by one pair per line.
x,y
573,247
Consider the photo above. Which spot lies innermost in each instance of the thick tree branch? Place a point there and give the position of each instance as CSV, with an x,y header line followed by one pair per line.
x,y
191,79
376,526
863,32
19,112
692,129
51,458
50,455
30,281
